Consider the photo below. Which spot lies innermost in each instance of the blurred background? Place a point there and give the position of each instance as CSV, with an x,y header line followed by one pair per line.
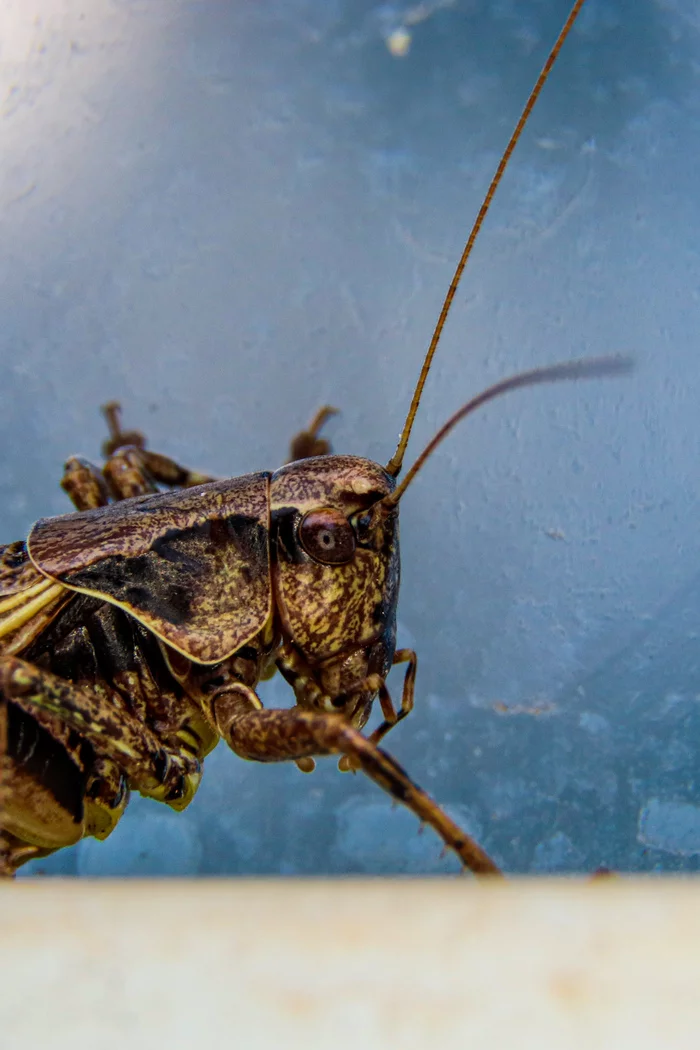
x,y
225,214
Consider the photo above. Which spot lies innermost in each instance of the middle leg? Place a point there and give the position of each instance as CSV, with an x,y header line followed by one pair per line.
x,y
131,469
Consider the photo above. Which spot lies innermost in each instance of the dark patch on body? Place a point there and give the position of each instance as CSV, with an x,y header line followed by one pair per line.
x,y
61,647
91,640
165,580
146,583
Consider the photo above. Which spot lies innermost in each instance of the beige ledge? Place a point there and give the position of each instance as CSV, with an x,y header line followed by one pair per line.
x,y
363,964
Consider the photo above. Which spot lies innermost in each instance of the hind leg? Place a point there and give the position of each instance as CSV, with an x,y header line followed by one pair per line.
x,y
152,767
41,805
50,798
156,467
131,469
53,795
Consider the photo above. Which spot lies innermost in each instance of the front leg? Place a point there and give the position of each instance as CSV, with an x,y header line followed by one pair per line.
x,y
391,718
375,683
281,735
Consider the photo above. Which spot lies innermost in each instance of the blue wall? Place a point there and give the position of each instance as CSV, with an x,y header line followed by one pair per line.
x,y
227,214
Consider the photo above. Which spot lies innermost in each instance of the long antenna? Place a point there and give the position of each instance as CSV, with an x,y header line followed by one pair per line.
x,y
394,465
586,368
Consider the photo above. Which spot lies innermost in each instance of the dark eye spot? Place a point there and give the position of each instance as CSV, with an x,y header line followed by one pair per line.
x,y
327,536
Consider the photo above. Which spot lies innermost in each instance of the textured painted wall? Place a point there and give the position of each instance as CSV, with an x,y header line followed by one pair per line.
x,y
227,214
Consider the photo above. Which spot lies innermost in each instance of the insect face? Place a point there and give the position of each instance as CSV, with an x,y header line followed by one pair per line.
x,y
335,558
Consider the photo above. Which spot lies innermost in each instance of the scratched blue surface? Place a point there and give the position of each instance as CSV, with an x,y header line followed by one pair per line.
x,y
227,214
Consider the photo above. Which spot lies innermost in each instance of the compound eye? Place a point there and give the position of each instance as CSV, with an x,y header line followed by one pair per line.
x,y
327,536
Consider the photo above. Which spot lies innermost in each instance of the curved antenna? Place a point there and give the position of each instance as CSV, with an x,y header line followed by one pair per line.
x,y
394,465
586,368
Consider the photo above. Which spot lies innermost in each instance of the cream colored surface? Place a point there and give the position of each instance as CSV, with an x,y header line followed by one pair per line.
x,y
405,964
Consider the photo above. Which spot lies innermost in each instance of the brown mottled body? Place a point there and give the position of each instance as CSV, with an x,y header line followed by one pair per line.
x,y
158,615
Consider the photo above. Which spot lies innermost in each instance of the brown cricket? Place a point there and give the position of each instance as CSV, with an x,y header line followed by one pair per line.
x,y
134,632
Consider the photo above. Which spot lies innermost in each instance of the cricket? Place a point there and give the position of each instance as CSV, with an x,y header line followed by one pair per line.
x,y
134,632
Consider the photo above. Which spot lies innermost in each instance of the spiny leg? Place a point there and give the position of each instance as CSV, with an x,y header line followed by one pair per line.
x,y
160,468
307,442
131,469
124,475
153,467
167,472
391,718
155,769
278,735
